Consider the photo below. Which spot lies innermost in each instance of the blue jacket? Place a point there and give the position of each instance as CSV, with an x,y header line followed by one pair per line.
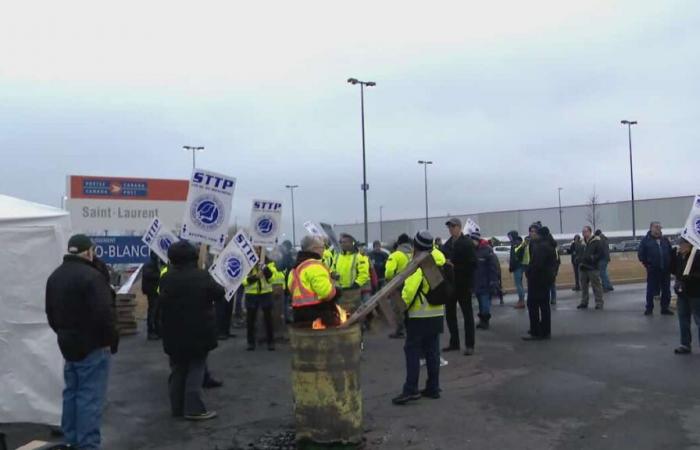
x,y
655,255
486,274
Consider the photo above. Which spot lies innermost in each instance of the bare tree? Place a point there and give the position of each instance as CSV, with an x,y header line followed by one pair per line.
x,y
593,212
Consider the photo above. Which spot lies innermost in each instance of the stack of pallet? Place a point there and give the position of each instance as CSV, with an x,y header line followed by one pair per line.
x,y
125,313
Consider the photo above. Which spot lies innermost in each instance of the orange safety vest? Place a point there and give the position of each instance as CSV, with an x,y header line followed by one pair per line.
x,y
301,296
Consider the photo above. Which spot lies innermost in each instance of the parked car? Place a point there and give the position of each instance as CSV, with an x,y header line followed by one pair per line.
x,y
629,246
502,252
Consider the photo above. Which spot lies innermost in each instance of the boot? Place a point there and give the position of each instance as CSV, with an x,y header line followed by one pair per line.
x,y
520,304
483,323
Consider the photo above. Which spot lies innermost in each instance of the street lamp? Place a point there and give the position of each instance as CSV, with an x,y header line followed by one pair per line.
x,y
193,150
381,237
425,171
561,222
365,186
629,124
291,188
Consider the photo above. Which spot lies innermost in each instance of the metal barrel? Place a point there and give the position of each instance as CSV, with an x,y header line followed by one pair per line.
x,y
326,385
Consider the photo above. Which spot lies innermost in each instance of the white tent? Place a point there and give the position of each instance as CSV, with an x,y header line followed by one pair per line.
x,y
32,242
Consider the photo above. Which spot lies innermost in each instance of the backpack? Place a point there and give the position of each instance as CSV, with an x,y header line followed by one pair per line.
x,y
445,290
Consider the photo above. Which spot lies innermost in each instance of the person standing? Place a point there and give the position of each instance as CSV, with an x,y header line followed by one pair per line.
x,y
460,253
486,279
149,286
576,251
78,309
655,254
604,261
515,264
378,258
687,287
397,261
424,324
187,298
540,277
523,253
258,295
589,268
557,263
311,286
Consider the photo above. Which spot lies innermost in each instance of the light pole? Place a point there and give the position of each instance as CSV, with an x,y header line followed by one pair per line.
x,y
629,124
193,150
561,222
291,188
365,186
425,172
381,237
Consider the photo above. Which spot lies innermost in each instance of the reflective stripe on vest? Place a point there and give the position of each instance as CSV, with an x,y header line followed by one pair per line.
x,y
300,295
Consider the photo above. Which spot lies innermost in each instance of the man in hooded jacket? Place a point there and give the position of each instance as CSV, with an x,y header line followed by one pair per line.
x,y
540,277
189,328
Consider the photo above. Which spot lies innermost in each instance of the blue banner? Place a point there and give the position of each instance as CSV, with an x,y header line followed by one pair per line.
x,y
121,249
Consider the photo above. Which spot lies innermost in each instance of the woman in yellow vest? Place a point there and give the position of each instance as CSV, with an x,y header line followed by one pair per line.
x,y
311,286
423,328
258,294
397,261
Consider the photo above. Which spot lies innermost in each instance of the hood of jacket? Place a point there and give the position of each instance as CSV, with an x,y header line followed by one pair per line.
x,y
182,253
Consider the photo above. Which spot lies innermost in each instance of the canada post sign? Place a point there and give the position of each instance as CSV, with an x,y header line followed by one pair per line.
x,y
123,205
121,249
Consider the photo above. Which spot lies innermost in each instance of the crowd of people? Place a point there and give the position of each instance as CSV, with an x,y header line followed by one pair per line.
x,y
188,310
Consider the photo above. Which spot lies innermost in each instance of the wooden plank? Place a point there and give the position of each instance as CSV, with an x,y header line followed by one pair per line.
x,y
419,259
689,264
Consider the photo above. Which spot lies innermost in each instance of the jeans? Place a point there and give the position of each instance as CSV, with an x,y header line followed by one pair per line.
x,y
465,304
687,307
577,277
185,386
484,300
428,347
252,304
591,277
604,278
84,397
518,279
539,310
553,292
153,317
658,280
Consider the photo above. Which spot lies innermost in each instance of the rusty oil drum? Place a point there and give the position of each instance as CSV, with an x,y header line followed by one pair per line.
x,y
326,385
350,300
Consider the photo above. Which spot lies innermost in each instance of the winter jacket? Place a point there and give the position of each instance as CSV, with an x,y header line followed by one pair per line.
x,y
378,259
516,255
187,297
688,285
461,253
543,263
78,308
486,279
150,276
592,254
605,246
654,253
576,251
397,261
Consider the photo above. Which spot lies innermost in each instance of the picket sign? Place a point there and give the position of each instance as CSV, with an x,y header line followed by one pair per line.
x,y
691,232
234,263
265,222
159,239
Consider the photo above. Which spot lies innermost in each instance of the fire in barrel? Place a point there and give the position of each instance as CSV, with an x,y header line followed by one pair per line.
x,y
326,382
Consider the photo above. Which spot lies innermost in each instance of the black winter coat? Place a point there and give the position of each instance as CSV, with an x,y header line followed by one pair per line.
x,y
689,284
592,254
486,275
543,265
78,308
516,257
576,251
462,253
187,297
150,277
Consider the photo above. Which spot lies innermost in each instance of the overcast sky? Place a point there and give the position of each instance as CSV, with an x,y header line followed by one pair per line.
x,y
510,99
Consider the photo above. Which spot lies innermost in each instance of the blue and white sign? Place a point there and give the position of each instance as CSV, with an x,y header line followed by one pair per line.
x,y
265,220
234,263
691,231
159,239
121,249
208,208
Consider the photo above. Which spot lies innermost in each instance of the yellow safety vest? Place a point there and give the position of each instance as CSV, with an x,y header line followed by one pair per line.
x,y
416,288
262,285
310,283
396,262
351,268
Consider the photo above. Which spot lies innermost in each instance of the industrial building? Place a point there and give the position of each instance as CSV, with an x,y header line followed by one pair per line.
x,y
614,218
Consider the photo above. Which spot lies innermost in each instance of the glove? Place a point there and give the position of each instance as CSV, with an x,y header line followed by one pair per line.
x,y
252,278
267,272
678,287
355,286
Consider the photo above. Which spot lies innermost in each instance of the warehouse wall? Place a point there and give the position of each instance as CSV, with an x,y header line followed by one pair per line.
x,y
616,216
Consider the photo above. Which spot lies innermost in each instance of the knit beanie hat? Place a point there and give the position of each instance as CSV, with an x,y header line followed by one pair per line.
x,y
423,241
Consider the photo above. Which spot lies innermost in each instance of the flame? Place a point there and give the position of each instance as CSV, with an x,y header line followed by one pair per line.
x,y
342,314
318,324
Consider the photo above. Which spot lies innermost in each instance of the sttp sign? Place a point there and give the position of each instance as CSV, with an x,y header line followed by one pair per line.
x,y
121,249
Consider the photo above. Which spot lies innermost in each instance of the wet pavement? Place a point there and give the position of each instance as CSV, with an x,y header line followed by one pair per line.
x,y
607,380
